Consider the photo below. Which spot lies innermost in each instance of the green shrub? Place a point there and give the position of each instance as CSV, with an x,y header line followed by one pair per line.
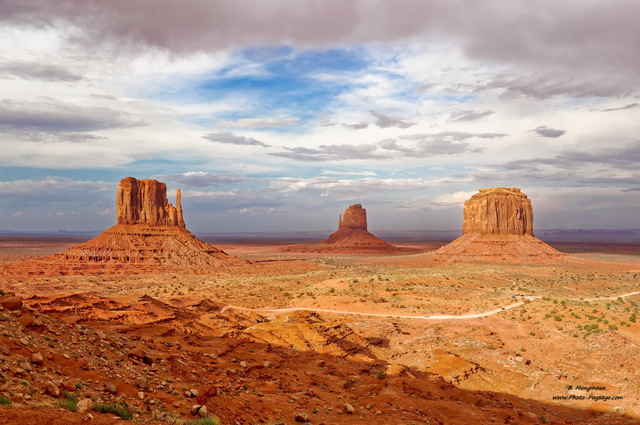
x,y
5,401
70,402
204,421
121,409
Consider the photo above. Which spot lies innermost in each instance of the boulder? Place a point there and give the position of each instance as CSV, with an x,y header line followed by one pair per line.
x,y
301,417
141,354
11,303
203,412
37,358
52,389
110,387
199,410
85,405
29,320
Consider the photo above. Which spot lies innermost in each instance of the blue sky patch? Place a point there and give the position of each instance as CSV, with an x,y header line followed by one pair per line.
x,y
286,81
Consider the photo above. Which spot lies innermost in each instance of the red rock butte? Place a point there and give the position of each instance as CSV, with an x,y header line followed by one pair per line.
x,y
150,235
352,233
145,202
498,225
498,211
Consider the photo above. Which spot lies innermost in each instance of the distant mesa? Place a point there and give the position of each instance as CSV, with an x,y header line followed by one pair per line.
x,y
352,236
150,235
352,232
498,225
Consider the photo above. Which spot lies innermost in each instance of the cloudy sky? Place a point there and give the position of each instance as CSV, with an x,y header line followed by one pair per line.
x,y
275,115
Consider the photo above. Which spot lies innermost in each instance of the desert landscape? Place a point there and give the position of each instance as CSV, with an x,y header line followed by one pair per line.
x,y
319,212
148,323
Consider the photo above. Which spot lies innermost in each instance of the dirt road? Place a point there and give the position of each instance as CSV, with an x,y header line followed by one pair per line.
x,y
400,316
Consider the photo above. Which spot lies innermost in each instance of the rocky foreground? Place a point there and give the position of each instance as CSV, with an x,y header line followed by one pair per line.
x,y
154,362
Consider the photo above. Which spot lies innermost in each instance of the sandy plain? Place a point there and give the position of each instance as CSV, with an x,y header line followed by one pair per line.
x,y
386,326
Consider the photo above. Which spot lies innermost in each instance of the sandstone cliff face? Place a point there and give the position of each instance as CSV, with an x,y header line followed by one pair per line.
x,y
145,202
355,217
498,211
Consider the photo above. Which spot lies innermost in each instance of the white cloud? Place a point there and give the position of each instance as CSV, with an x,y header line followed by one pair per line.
x,y
459,100
348,173
364,185
453,199
233,139
259,122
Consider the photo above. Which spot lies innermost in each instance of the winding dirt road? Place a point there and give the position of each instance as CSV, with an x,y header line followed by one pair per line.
x,y
358,313
400,316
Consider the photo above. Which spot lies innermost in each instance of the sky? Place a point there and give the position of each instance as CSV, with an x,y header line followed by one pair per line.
x,y
276,115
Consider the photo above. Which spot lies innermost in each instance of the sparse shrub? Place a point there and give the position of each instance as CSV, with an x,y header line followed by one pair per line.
x,y
557,318
381,374
207,420
70,402
121,409
5,401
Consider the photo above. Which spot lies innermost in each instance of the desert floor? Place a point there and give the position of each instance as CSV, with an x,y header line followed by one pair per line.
x,y
560,333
